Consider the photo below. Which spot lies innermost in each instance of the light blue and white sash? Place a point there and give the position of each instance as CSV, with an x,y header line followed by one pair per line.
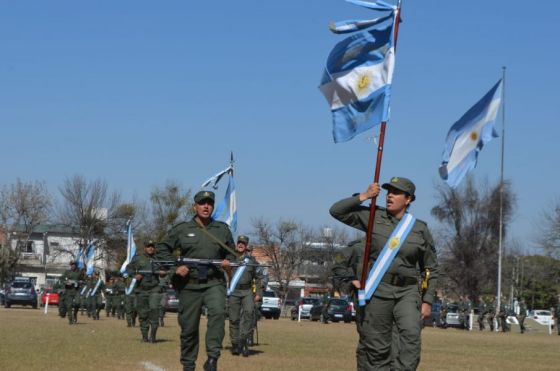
x,y
238,273
382,263
83,290
96,287
129,289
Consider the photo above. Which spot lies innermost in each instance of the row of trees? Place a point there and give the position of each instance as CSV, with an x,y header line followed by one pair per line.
x,y
468,246
91,210
466,236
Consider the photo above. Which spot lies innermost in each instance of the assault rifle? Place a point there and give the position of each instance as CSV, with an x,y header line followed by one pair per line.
x,y
201,266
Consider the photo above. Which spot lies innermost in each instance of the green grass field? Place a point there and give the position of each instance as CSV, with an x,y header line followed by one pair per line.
x,y
31,340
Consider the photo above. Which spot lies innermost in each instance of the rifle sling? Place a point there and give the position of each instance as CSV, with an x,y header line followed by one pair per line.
x,y
203,229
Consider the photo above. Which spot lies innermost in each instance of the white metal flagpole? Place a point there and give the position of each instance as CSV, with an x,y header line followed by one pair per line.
x,y
499,298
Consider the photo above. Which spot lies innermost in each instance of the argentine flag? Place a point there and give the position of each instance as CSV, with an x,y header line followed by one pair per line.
x,y
226,211
89,255
468,135
130,249
357,78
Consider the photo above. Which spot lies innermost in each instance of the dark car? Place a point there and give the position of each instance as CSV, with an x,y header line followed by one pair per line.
x,y
171,301
334,310
22,293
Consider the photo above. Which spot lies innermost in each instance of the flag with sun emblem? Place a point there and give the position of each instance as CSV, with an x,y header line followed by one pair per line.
x,y
357,78
468,135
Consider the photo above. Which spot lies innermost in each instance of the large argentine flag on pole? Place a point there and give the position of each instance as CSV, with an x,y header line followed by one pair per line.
x,y
357,78
130,249
468,135
226,211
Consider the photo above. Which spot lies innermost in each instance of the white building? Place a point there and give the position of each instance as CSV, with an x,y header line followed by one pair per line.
x,y
47,253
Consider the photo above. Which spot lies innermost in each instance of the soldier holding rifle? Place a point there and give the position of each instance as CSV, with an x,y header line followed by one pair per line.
x,y
203,284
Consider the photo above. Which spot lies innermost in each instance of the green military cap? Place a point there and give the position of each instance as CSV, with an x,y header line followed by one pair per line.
x,y
243,238
402,184
149,243
204,195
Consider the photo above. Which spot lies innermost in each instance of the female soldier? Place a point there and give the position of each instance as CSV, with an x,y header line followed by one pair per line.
x,y
397,299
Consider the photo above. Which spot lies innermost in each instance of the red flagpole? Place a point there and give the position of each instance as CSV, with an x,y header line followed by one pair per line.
x,y
367,248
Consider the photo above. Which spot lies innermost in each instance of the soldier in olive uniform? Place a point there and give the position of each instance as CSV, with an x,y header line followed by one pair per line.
x,y
72,279
118,298
397,300
522,315
481,313
202,285
130,303
109,297
242,301
95,300
491,314
164,283
147,291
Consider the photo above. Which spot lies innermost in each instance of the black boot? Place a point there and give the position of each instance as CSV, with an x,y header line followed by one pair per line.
x,y
211,364
235,349
145,338
244,348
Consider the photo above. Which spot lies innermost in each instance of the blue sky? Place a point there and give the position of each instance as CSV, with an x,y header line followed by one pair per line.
x,y
138,92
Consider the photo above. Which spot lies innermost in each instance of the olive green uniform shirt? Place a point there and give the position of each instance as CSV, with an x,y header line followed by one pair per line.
x,y
251,273
416,254
194,243
149,281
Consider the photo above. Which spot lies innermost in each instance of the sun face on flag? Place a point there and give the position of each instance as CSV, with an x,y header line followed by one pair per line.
x,y
394,242
474,136
363,82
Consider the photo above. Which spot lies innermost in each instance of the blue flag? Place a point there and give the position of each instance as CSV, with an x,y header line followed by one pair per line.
x,y
80,259
468,135
88,258
357,78
130,249
226,211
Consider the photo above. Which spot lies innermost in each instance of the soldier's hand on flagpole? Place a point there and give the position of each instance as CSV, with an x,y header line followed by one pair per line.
x,y
138,277
371,192
257,298
356,284
182,270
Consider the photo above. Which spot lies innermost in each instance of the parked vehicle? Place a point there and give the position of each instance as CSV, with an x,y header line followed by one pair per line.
x,y
542,316
22,293
171,301
53,296
271,305
305,305
333,309
452,317
2,296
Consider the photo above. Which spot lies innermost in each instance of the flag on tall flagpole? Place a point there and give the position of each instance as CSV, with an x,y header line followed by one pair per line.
x,y
467,137
89,258
226,210
358,76
130,248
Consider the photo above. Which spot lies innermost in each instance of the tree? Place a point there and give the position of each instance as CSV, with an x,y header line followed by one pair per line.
x,y
89,206
169,205
469,236
286,246
23,207
550,232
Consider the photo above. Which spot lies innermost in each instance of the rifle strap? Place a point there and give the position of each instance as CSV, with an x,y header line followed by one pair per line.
x,y
226,247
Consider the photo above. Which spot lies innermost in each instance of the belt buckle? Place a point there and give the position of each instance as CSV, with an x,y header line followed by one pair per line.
x,y
399,280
